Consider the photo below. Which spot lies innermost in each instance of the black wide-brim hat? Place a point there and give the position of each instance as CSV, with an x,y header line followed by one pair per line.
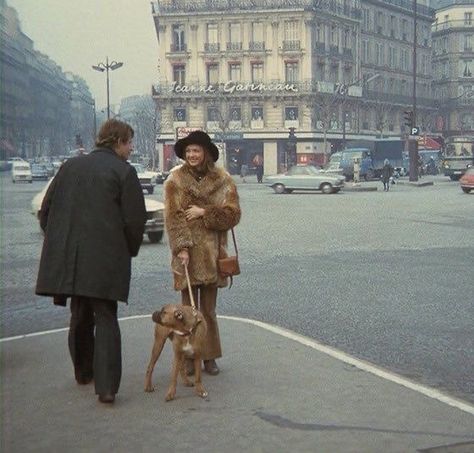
x,y
196,138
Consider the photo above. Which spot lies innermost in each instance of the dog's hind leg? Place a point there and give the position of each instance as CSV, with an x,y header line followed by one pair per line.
x,y
184,375
199,388
160,340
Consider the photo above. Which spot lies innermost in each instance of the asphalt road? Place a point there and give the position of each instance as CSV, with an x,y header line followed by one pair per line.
x,y
387,277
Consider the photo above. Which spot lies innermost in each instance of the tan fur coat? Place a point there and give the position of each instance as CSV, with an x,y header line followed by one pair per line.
x,y
217,194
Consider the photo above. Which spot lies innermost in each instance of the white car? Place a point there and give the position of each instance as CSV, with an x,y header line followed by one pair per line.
x,y
21,171
155,219
147,178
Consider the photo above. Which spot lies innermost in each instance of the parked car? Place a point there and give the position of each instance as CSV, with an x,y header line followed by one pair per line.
x,y
147,178
155,223
305,177
21,171
467,180
39,172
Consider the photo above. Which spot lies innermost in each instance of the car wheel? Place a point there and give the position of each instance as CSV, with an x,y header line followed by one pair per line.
x,y
465,189
326,188
150,190
279,188
155,237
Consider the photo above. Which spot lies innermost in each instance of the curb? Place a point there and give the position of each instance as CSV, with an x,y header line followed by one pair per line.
x,y
359,189
416,184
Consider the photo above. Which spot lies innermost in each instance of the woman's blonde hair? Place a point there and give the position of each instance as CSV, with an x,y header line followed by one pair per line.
x,y
113,131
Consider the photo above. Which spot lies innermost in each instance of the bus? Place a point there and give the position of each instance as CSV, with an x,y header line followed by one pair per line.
x,y
458,155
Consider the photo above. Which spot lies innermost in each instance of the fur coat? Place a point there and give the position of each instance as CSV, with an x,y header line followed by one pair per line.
x,y
217,194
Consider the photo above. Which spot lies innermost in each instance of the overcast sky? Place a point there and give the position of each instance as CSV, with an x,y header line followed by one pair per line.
x,y
79,33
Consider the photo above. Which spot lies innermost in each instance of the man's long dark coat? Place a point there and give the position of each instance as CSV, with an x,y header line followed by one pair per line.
x,y
93,217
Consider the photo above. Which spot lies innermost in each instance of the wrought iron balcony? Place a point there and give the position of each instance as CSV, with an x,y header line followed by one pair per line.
x,y
181,47
291,45
234,46
256,45
212,47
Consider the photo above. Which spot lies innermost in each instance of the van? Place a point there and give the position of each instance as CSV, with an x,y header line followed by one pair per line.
x,y
345,159
21,171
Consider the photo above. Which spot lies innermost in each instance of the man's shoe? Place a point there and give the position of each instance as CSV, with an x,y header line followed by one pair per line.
x,y
210,367
107,398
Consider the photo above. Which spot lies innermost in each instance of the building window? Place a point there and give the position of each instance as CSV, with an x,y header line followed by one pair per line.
x,y
212,33
180,114
466,68
334,36
291,71
234,72
257,113
291,30
178,43
235,113
467,18
179,74
257,72
212,114
365,19
235,39
291,113
257,32
212,74
468,42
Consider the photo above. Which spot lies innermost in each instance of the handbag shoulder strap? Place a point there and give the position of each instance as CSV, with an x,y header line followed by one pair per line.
x,y
233,239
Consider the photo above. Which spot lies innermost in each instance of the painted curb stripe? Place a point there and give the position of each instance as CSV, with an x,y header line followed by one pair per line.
x,y
332,352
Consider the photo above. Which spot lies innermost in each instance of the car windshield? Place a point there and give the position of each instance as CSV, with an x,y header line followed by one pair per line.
x,y
22,168
38,167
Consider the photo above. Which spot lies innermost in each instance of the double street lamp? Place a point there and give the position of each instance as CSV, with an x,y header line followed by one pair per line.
x,y
112,66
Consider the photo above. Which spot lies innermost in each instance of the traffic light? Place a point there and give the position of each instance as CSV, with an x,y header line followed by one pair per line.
x,y
408,115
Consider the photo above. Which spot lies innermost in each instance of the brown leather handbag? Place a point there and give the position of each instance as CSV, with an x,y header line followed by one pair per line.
x,y
228,266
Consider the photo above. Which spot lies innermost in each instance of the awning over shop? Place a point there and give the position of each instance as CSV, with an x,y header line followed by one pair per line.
x,y
428,143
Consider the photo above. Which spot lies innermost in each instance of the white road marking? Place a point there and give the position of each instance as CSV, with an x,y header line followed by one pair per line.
x,y
332,352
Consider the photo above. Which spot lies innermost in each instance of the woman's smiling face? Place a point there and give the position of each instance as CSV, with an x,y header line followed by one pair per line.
x,y
194,155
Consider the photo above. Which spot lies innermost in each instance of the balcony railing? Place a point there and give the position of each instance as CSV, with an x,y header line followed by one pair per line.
x,y
291,45
212,47
256,45
332,7
178,47
447,25
234,46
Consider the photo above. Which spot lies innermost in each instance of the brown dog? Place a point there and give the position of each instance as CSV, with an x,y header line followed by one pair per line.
x,y
186,328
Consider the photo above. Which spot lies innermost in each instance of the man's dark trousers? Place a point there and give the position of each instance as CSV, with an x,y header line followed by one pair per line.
x,y
100,358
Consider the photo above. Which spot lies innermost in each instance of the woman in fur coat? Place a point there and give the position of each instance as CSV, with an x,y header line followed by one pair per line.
x,y
201,205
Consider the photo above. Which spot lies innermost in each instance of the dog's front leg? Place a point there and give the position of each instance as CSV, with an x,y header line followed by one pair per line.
x,y
160,339
184,375
178,362
199,388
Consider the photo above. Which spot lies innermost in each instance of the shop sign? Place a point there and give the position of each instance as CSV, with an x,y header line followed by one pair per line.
x,y
234,87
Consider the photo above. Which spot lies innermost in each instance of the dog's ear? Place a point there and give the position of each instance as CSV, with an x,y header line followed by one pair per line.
x,y
178,314
156,316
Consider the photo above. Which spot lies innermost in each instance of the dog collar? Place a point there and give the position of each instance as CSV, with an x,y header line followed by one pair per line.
x,y
183,334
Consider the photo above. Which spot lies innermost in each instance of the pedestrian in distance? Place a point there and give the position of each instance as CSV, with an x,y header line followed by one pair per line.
x,y
201,205
258,162
244,169
93,218
387,173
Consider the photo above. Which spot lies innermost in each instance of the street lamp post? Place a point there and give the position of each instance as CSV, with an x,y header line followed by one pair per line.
x,y
101,67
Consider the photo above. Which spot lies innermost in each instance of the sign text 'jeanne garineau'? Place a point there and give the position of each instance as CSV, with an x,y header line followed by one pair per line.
x,y
233,87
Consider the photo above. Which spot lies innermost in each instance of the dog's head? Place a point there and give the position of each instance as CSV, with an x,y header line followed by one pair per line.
x,y
174,316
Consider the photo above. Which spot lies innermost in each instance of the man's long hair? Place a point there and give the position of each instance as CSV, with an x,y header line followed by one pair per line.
x,y
113,131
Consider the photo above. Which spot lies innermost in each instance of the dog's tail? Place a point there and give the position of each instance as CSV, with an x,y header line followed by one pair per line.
x,y
156,316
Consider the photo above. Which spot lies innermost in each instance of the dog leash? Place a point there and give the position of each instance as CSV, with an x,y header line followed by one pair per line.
x,y
191,297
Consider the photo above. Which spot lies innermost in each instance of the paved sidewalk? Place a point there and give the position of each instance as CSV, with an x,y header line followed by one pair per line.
x,y
277,392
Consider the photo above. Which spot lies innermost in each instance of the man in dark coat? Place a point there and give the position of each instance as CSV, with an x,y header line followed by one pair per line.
x,y
93,217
